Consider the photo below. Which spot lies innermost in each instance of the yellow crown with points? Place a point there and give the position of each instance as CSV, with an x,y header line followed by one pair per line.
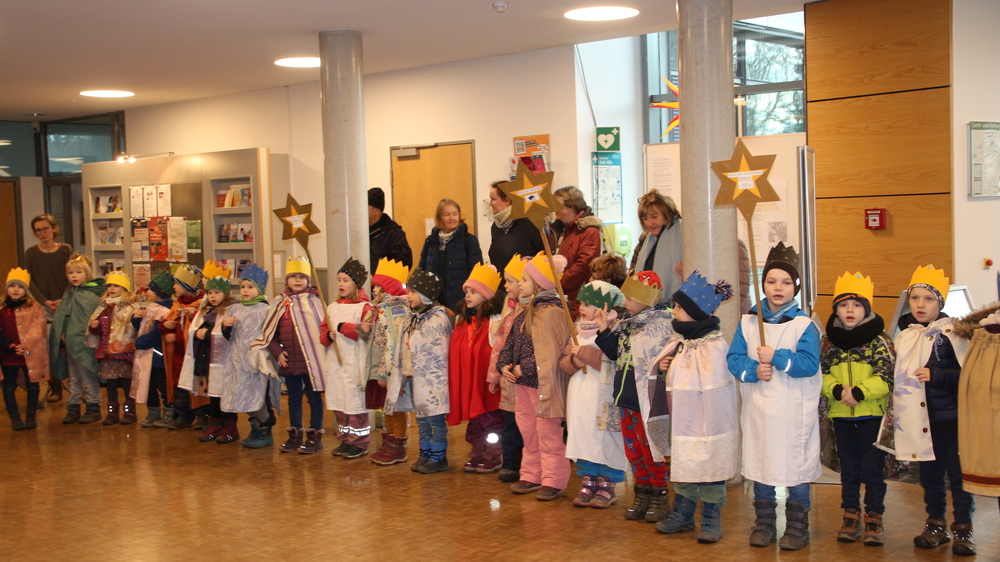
x,y
933,277
487,275
393,269
215,269
118,278
849,284
18,274
643,289
298,264
515,266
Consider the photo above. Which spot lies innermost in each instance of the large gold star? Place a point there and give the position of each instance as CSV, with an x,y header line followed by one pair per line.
x,y
297,221
744,180
531,194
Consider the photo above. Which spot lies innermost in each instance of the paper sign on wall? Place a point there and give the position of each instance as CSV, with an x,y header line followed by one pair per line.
x,y
608,139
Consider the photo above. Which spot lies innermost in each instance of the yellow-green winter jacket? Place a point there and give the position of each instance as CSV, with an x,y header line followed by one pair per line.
x,y
861,358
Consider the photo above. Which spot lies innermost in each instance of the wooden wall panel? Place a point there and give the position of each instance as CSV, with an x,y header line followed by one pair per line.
x,y
919,233
889,144
864,47
883,306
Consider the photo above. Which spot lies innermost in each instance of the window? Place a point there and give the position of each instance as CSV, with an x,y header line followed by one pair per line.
x,y
70,144
17,149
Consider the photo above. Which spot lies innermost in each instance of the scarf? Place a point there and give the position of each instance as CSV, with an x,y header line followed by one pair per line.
x,y
112,300
774,317
256,300
696,329
503,220
444,238
850,338
12,304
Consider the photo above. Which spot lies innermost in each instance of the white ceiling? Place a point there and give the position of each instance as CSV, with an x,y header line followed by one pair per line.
x,y
173,50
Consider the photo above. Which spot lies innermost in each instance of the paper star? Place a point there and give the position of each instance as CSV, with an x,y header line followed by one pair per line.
x,y
744,180
531,194
670,105
297,221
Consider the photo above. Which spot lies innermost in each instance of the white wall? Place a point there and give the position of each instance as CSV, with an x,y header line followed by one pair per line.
x,y
975,84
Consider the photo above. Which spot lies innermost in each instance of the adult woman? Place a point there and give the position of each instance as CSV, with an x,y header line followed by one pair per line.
x,y
660,248
450,252
581,241
46,262
509,237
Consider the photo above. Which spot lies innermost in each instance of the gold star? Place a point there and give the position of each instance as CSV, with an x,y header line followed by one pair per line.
x,y
297,221
531,194
744,180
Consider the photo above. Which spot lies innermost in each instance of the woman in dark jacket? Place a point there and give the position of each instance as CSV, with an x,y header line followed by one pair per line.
x,y
509,237
450,252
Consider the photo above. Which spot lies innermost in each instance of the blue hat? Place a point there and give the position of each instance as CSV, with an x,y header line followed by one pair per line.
x,y
699,298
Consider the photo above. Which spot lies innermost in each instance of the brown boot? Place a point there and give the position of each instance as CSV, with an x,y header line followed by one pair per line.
x,y
312,441
129,416
393,451
55,391
796,527
763,530
935,534
965,544
874,532
294,440
112,417
850,530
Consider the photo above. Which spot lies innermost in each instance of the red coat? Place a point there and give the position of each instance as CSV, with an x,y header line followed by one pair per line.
x,y
468,362
580,245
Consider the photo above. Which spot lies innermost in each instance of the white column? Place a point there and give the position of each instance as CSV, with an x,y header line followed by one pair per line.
x,y
705,45
342,91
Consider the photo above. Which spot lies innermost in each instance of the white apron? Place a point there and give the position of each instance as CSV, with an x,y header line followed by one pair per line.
x,y
345,385
650,332
589,397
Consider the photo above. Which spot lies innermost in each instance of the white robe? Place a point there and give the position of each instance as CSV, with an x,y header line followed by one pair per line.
x,y
345,385
244,385
588,399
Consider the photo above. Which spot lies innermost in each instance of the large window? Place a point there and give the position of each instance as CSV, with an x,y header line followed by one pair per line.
x,y
17,149
70,144
768,63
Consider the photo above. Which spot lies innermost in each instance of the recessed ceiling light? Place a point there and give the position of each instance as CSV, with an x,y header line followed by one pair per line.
x,y
32,114
601,13
299,62
4,142
107,94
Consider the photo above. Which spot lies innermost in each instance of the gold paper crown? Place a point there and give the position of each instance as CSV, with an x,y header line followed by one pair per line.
x,y
215,269
393,269
933,277
118,278
78,257
515,266
18,274
646,291
542,264
856,285
298,264
487,275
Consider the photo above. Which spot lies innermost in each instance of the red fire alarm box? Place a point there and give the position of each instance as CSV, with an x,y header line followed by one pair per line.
x,y
875,219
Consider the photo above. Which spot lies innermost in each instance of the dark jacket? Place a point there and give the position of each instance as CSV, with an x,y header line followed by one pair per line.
x,y
454,264
581,243
521,238
387,240
286,340
942,389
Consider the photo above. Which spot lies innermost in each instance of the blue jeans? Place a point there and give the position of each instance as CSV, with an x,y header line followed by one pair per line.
x,y
433,429
860,461
798,493
587,468
296,384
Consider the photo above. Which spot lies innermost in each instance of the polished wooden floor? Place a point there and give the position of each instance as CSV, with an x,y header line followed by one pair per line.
x,y
87,492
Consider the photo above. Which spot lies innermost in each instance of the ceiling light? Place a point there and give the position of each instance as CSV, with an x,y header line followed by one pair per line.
x,y
299,62
601,13
107,94
4,142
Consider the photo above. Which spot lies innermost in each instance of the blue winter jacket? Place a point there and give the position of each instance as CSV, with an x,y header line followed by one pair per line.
x,y
801,362
454,264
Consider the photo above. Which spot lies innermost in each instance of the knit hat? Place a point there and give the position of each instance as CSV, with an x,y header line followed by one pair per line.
x,y
786,259
644,287
931,279
600,294
484,279
189,277
699,298
298,264
119,278
256,275
541,272
854,287
516,266
391,276
19,276
219,283
162,285
355,270
425,283
376,198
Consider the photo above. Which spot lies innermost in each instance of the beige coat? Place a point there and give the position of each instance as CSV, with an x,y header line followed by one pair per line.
x,y
31,329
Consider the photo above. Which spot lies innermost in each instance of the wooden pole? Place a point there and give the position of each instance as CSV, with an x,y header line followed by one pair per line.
x,y
562,296
326,316
756,281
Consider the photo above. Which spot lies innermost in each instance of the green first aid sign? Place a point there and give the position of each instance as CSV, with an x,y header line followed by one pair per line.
x,y
608,139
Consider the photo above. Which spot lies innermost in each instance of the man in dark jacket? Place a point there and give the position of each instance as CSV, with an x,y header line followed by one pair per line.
x,y
387,238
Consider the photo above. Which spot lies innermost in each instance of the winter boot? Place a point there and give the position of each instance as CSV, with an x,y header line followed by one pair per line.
x,y
935,534
200,420
796,527
763,531
475,457
524,487
393,451
965,544
492,458
72,413
312,441
294,440
641,504
383,451
681,518
587,491
508,475
212,431
425,454
659,504
260,436
547,493
874,532
341,449
129,416
437,461
15,422
153,415
55,391
711,523
354,452
851,529
29,419
605,495
229,432
92,414
164,421
112,417
180,422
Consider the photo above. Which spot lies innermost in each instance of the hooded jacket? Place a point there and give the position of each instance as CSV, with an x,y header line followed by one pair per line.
x,y
580,245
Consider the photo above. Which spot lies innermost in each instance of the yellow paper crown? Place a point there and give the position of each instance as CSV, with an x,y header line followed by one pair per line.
x,y
298,264
515,266
933,277
541,262
487,275
118,278
644,290
214,269
393,269
18,274
78,257
854,285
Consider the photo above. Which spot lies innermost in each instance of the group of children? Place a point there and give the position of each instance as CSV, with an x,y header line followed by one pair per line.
x,y
640,386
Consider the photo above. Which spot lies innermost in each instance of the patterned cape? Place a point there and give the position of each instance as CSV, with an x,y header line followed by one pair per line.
x,y
307,313
244,386
419,380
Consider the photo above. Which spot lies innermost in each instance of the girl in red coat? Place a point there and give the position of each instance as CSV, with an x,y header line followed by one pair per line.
x,y
23,349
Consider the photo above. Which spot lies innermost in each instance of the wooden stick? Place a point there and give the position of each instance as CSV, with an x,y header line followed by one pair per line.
x,y
756,281
326,315
562,296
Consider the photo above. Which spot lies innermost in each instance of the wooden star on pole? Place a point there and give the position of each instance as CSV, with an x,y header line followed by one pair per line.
x,y
744,180
297,221
531,195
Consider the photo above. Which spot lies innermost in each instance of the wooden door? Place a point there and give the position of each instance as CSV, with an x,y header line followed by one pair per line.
x,y
420,182
9,230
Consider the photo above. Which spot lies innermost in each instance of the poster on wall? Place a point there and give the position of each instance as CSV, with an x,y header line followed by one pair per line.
x,y
158,239
177,238
149,200
984,159
163,207
607,185
194,237
135,203
533,150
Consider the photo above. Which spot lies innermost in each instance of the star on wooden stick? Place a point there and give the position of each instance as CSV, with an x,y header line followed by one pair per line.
x,y
744,180
531,195
297,221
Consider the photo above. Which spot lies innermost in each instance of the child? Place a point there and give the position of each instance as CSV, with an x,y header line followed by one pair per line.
x,y
188,295
22,347
857,364
207,357
608,267
633,345
511,442
149,374
530,359
345,388
704,430
113,336
380,329
929,356
245,388
69,333
593,444
780,400
419,380
291,335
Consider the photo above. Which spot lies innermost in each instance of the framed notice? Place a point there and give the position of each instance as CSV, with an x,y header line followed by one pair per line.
x,y
984,159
